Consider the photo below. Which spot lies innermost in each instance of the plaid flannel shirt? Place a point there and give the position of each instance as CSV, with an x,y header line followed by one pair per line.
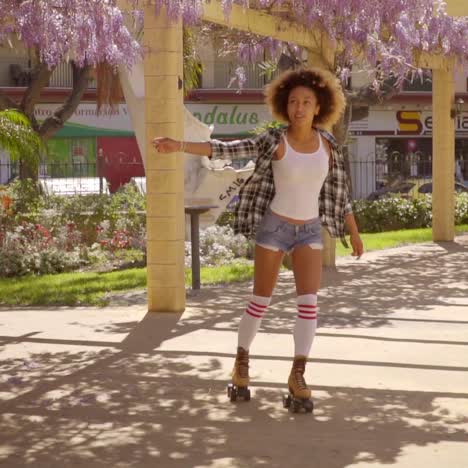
x,y
259,189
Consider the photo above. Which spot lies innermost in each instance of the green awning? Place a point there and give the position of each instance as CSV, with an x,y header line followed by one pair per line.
x,y
76,130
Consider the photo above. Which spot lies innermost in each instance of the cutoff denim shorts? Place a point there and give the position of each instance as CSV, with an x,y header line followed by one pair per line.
x,y
274,233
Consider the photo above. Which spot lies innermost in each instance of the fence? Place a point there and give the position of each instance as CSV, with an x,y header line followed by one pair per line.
x,y
368,177
78,178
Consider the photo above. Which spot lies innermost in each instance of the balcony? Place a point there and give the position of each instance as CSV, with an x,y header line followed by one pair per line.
x,y
17,74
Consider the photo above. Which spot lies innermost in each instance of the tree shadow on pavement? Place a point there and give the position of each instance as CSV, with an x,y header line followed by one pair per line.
x,y
140,403
134,409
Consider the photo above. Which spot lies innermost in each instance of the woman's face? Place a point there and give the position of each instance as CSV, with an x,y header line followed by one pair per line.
x,y
302,106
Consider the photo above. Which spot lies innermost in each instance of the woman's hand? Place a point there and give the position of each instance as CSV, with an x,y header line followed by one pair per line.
x,y
357,245
166,145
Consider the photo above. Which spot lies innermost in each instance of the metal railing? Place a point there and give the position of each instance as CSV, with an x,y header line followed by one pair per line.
x,y
224,72
370,178
79,177
404,177
62,77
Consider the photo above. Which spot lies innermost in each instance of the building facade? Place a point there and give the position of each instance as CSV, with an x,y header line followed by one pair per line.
x,y
393,140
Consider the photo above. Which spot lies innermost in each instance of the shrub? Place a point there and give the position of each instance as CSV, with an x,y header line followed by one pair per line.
x,y
394,213
461,209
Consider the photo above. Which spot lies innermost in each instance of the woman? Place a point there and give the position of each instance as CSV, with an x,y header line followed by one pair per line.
x,y
299,183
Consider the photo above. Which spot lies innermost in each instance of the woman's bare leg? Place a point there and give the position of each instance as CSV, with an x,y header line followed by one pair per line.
x,y
307,267
267,264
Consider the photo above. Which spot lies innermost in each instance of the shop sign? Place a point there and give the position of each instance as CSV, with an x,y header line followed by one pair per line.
x,y
421,123
231,118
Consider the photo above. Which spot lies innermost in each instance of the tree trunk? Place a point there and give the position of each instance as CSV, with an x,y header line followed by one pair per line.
x,y
29,170
55,122
6,102
39,80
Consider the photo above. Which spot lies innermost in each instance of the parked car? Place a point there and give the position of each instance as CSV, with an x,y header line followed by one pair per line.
x,y
427,188
412,188
402,189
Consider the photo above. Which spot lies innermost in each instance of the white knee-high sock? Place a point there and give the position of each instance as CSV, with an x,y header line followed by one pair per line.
x,y
306,324
250,321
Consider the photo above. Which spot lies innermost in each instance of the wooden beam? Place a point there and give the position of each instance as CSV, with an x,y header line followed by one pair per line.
x,y
436,62
457,7
260,23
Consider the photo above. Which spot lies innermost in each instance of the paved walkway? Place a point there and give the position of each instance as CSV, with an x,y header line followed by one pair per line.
x,y
117,387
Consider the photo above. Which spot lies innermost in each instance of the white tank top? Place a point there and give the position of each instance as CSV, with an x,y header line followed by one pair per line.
x,y
298,180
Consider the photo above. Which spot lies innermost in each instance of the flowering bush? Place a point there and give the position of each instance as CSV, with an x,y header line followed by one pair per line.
x,y
218,245
31,249
125,236
40,235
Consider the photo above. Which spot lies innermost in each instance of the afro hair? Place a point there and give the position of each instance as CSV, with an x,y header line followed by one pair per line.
x,y
324,84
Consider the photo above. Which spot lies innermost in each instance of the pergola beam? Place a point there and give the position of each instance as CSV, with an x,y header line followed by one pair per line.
x,y
268,25
457,7
257,22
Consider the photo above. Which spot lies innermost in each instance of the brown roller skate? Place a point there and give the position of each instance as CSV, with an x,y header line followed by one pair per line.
x,y
299,394
240,377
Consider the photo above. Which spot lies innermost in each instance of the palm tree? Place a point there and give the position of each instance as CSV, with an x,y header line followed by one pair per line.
x,y
18,138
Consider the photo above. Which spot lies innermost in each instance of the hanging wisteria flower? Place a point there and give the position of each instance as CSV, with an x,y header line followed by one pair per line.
x,y
384,34
87,31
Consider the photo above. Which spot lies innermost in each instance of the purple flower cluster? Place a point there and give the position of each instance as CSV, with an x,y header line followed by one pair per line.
x,y
86,31
384,34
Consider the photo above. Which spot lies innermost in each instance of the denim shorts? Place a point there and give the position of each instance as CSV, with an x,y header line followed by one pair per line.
x,y
274,233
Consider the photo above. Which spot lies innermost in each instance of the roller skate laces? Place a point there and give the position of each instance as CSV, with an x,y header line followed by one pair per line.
x,y
296,382
240,377
240,373
298,398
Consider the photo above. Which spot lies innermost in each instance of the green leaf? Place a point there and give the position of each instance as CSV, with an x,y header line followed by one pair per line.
x,y
18,138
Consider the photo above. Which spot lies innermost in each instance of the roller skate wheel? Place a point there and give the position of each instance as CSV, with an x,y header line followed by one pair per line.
x,y
244,393
233,396
286,401
295,406
232,392
309,406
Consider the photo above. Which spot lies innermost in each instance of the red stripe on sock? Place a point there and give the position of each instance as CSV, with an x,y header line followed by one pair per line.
x,y
257,309
247,311
302,311
308,318
308,306
258,305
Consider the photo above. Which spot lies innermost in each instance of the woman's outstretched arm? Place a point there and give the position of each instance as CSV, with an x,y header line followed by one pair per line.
x,y
247,148
168,145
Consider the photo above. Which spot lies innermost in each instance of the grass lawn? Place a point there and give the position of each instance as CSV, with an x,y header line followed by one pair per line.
x,y
91,288
389,239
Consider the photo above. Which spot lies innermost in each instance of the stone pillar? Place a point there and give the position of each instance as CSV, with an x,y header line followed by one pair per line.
x,y
163,67
322,59
329,249
443,156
